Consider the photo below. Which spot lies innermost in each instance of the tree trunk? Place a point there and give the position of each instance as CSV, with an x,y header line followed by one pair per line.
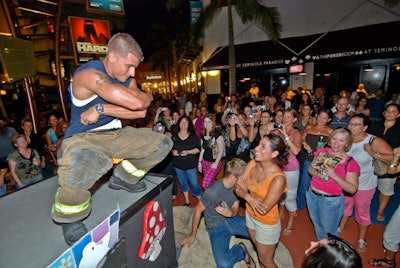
x,y
232,60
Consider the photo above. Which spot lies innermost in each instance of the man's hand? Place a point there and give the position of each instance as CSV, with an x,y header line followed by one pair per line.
x,y
188,241
224,211
90,116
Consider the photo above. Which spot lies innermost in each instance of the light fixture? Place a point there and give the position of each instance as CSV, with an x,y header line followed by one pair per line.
x,y
368,68
303,73
204,73
213,73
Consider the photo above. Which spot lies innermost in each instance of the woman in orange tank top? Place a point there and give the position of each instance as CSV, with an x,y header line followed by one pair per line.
x,y
262,185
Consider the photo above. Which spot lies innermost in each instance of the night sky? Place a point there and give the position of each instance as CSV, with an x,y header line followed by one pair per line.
x,y
139,16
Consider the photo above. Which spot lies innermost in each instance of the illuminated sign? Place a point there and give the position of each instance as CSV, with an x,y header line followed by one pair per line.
x,y
115,7
150,77
90,38
297,68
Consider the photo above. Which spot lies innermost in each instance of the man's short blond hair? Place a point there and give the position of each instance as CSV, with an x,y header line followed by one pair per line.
x,y
122,44
235,167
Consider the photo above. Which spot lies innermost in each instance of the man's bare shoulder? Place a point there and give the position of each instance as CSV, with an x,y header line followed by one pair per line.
x,y
87,82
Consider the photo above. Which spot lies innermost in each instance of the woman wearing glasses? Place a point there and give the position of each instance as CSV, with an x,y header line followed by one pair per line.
x,y
363,153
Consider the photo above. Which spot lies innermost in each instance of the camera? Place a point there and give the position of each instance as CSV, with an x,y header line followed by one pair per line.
x,y
263,108
162,109
159,127
277,126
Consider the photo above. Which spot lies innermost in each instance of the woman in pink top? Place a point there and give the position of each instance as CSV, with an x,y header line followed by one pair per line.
x,y
333,171
292,137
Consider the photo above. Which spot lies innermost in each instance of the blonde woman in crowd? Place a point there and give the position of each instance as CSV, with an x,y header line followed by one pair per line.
x,y
333,172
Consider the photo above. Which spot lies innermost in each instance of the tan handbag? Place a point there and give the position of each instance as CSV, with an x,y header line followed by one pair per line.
x,y
380,167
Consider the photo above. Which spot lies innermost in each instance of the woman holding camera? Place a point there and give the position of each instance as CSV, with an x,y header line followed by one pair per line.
x,y
239,138
265,127
164,117
333,172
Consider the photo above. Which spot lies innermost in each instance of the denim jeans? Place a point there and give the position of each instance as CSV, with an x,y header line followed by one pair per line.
x,y
3,189
220,237
186,177
304,184
325,213
29,182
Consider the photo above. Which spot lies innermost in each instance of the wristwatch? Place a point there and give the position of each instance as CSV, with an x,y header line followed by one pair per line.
x,y
100,108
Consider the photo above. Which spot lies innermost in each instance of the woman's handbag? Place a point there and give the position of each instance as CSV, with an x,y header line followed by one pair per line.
x,y
380,167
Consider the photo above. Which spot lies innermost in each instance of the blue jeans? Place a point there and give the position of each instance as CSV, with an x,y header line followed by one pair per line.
x,y
3,189
304,184
325,213
186,177
30,182
220,237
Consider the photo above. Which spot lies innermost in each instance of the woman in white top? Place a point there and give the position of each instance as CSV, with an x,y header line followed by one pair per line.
x,y
364,154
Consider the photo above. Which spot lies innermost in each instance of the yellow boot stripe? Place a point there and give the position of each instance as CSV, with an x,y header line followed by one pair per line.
x,y
66,209
131,169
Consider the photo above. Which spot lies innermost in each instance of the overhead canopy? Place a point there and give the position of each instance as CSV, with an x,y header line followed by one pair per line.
x,y
373,41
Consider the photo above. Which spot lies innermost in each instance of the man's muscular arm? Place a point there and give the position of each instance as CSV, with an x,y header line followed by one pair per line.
x,y
92,82
134,106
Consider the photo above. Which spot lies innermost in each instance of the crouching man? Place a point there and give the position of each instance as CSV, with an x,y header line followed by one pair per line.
x,y
220,206
102,92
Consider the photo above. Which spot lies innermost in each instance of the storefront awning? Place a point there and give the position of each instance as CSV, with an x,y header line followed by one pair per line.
x,y
368,42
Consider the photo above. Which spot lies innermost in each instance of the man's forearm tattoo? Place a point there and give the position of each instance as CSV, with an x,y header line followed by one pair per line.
x,y
101,79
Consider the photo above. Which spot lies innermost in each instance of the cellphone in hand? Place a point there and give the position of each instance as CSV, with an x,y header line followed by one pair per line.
x,y
222,204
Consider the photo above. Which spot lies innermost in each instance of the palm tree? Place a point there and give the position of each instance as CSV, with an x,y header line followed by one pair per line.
x,y
267,18
170,38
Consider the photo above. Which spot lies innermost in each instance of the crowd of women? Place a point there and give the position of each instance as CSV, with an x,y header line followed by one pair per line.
x,y
296,159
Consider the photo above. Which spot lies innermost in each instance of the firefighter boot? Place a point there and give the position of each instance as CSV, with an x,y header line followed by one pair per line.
x,y
127,177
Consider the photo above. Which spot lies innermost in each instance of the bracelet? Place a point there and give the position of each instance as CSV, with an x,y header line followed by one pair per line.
x,y
393,166
199,161
287,138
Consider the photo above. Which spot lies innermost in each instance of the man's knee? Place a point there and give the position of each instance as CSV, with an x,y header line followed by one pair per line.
x,y
86,167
